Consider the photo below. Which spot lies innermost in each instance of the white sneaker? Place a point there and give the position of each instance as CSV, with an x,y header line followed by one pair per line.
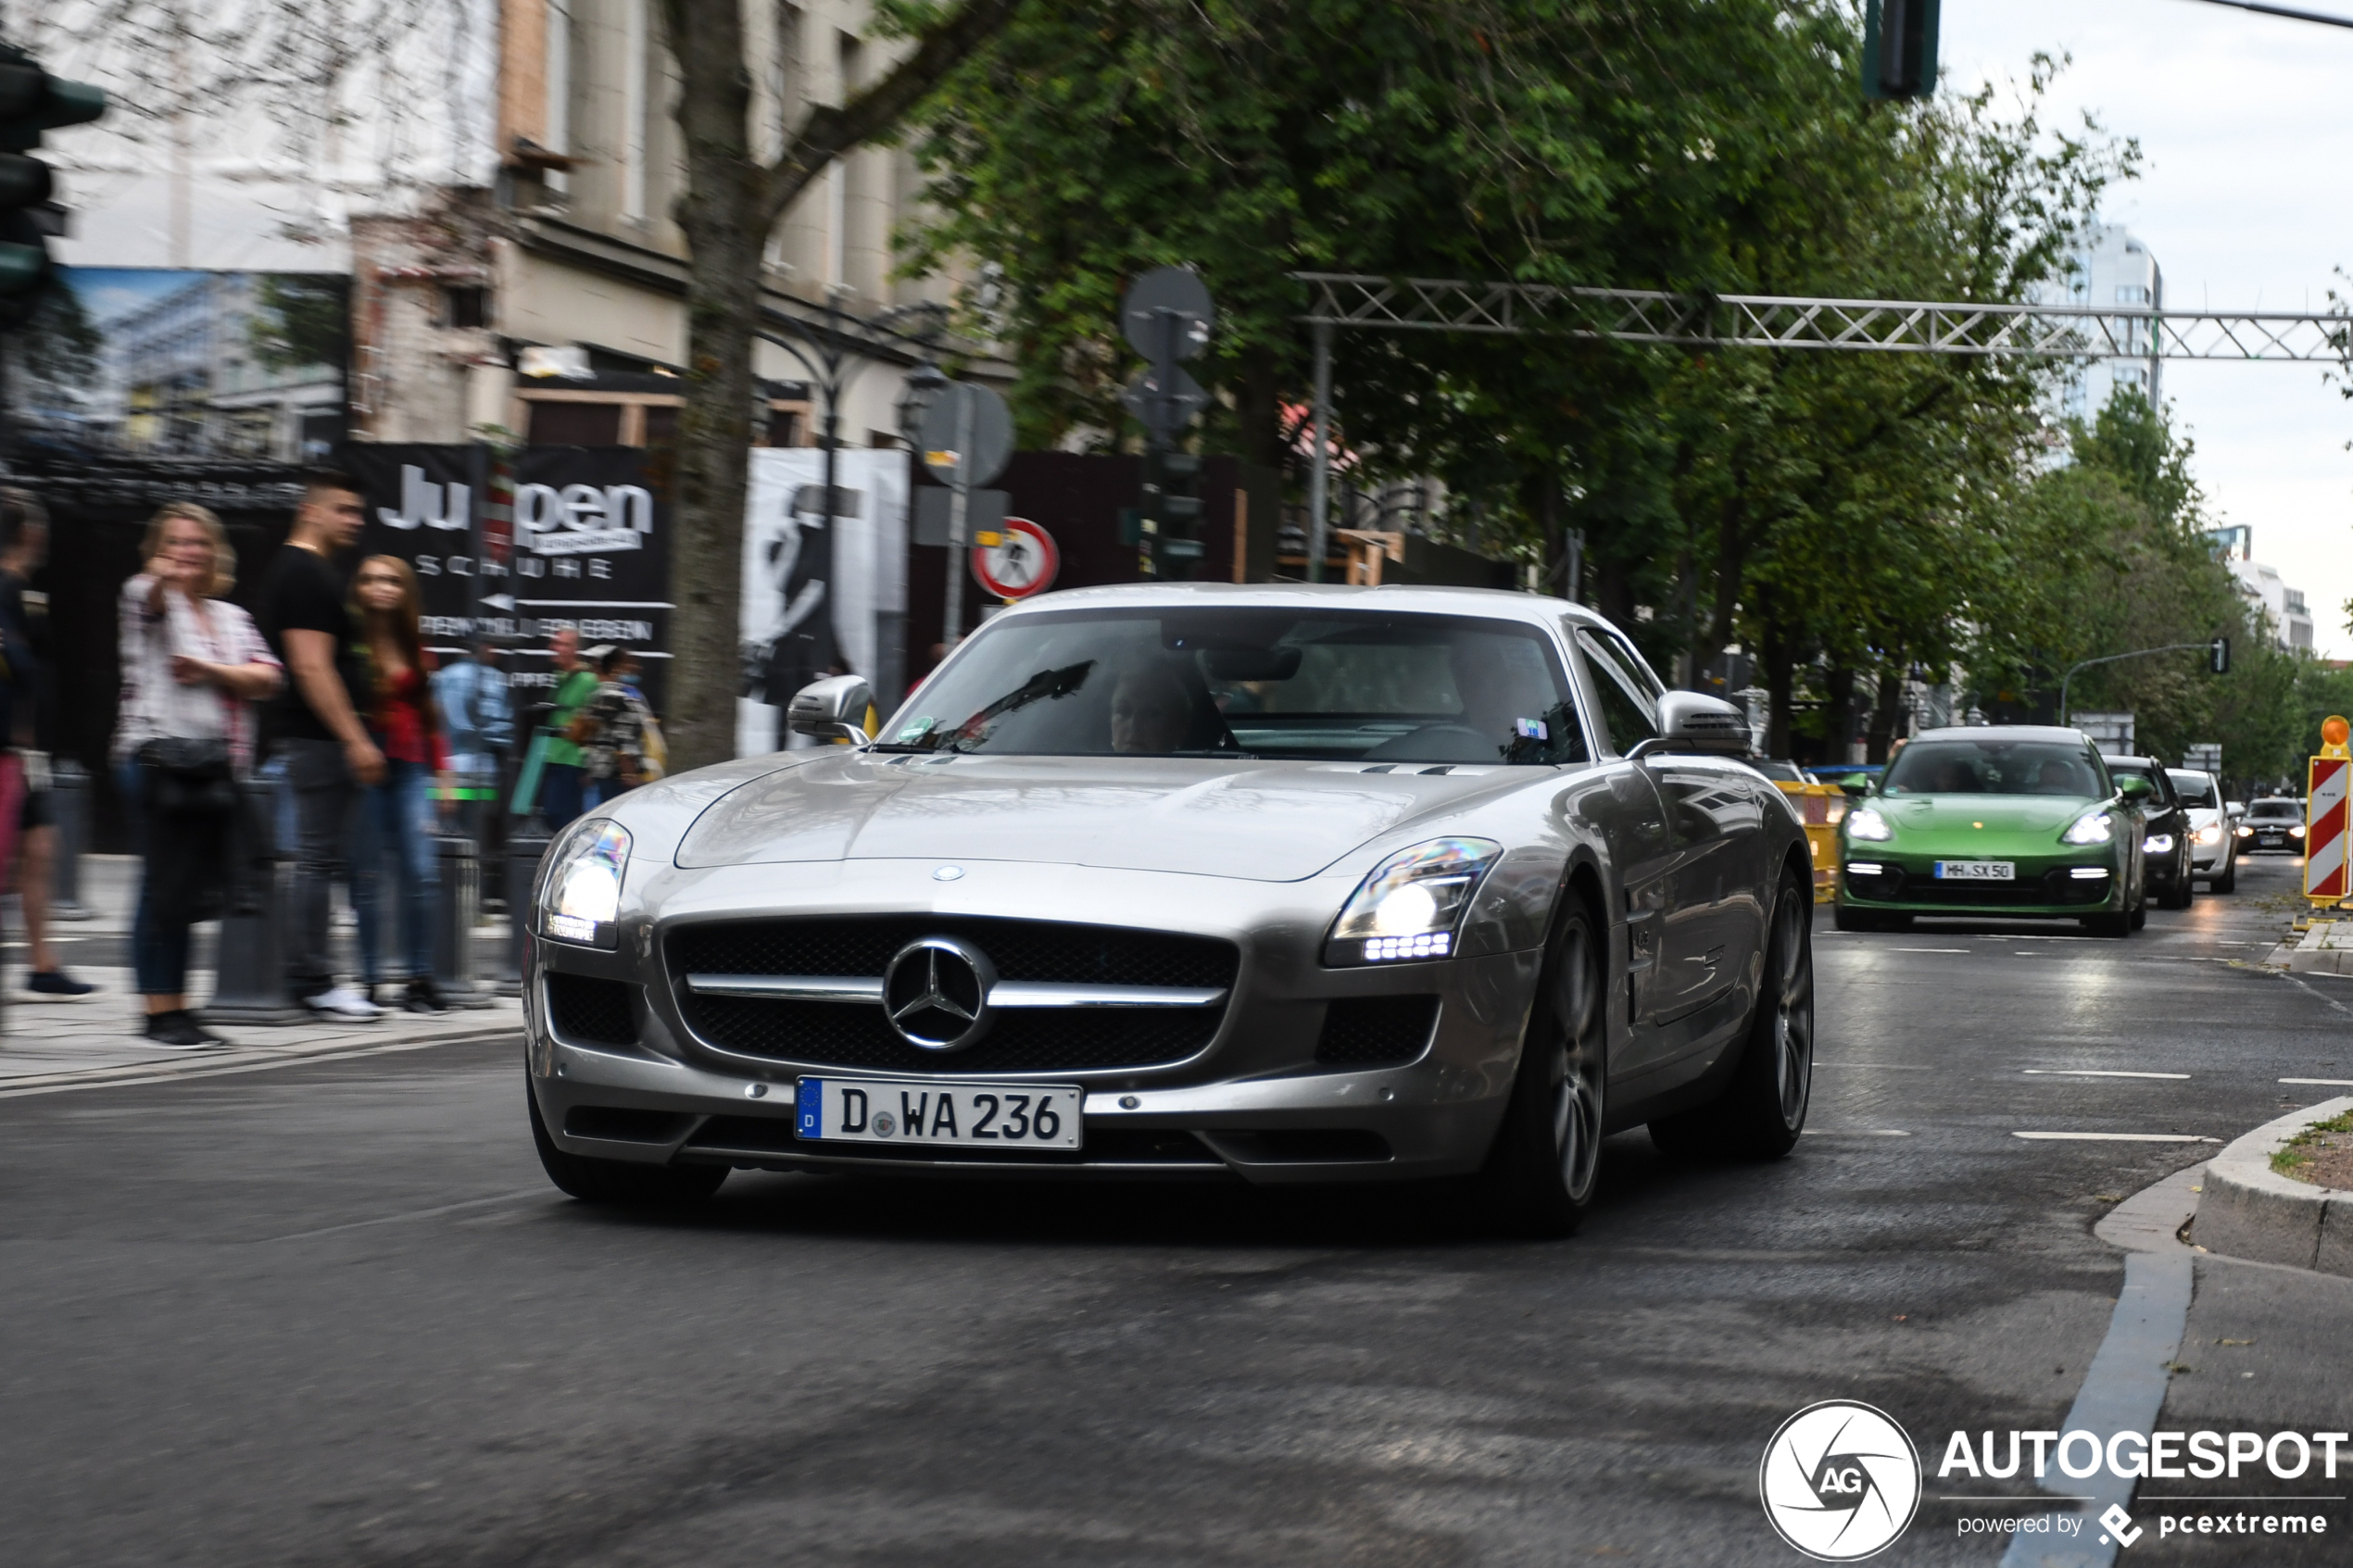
x,y
342,1002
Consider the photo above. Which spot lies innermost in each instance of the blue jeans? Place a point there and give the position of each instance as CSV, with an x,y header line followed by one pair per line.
x,y
399,834
562,793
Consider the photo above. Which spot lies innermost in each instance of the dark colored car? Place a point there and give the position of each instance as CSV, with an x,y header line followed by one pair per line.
x,y
2165,829
2276,824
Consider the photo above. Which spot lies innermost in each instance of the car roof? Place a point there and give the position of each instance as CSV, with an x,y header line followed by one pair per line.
x,y
2138,764
1495,603
2003,732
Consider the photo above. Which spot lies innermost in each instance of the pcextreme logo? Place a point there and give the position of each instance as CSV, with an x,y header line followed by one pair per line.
x,y
1840,1481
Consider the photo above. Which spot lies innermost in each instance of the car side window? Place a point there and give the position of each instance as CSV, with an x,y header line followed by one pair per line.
x,y
1628,707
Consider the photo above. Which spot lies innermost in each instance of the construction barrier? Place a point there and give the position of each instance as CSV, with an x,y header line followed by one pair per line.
x,y
1822,805
2324,869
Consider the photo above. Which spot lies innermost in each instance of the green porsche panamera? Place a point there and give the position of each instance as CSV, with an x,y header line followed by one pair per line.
x,y
2005,823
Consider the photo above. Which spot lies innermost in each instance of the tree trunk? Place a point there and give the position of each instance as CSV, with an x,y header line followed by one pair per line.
x,y
1779,681
731,202
722,216
1886,708
1838,711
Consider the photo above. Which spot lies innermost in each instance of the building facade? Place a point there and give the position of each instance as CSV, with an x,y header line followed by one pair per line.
x,y
2111,268
2265,591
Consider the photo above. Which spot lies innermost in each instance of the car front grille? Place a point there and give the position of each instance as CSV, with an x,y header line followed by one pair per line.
x,y
1375,1031
593,1011
2053,887
857,1034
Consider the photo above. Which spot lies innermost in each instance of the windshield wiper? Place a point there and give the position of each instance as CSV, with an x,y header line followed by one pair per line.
x,y
1218,751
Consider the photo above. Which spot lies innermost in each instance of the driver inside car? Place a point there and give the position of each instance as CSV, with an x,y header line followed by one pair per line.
x,y
1150,712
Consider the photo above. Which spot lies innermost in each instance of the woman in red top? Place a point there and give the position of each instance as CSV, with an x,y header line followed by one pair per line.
x,y
398,836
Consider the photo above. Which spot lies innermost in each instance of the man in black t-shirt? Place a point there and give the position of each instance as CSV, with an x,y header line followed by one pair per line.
x,y
314,724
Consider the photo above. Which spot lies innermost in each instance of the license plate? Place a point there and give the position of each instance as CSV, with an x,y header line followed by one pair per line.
x,y
1975,871
937,1115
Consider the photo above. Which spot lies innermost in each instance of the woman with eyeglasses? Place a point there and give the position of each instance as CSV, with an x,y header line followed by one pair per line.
x,y
193,667
398,860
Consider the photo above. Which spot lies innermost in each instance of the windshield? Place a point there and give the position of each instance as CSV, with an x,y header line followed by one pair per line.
x,y
2197,789
1278,683
1783,772
2285,810
2026,767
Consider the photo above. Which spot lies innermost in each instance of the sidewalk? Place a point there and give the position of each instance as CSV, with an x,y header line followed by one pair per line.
x,y
47,1046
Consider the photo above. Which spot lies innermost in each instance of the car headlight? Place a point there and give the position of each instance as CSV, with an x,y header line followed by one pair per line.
x,y
2245,832
2210,834
2295,830
580,892
2091,827
1866,822
2158,843
1412,905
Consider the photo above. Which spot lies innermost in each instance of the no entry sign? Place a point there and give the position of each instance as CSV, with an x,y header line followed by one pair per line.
x,y
1015,559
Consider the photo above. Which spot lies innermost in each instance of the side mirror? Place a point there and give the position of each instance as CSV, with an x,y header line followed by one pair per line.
x,y
2235,808
1695,721
833,709
2136,787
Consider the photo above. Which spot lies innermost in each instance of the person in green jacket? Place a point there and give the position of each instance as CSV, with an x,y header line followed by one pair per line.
x,y
560,786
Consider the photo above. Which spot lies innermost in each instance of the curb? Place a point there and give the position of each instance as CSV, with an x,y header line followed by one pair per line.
x,y
2250,1211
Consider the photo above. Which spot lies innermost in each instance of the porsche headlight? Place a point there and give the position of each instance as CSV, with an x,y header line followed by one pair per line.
x,y
2091,827
580,893
1412,905
1865,822
2158,843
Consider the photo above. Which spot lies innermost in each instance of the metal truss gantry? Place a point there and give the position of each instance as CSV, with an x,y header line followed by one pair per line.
x,y
1869,326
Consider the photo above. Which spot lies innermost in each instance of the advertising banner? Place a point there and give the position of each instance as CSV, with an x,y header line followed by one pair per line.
x,y
157,362
819,597
583,542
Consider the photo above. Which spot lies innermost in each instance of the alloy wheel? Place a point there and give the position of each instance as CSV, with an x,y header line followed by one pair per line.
x,y
1577,1068
1792,1017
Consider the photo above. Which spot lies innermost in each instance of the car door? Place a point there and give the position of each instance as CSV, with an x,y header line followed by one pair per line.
x,y
1705,905
1641,848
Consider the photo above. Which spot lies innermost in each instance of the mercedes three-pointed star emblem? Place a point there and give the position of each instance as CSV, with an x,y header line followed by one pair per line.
x,y
936,993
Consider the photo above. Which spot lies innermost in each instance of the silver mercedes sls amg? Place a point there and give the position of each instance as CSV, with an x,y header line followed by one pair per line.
x,y
1278,884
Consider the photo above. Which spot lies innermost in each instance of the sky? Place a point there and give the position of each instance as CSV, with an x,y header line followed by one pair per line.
x,y
2243,201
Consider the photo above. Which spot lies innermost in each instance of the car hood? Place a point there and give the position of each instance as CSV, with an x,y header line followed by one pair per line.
x,y
1263,822
1971,822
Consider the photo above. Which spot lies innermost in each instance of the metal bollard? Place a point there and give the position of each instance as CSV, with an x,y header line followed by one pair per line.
x,y
453,937
526,842
69,798
249,985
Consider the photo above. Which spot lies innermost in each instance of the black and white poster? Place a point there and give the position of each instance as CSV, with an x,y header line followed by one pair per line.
x,y
520,548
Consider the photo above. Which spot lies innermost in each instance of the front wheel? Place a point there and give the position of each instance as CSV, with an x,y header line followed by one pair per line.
x,y
2228,880
1761,1111
618,1181
1540,1174
2109,926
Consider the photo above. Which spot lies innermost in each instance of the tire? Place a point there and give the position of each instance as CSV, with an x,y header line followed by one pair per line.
x,y
1542,1173
2184,890
1853,919
1762,1111
2228,880
2140,917
2108,925
618,1181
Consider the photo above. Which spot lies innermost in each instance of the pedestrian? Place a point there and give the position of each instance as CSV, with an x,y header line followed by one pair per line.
x,y
396,865
619,741
24,615
561,779
315,729
471,694
193,667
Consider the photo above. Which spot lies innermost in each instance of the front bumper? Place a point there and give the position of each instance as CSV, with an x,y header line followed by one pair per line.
x,y
2043,886
1253,1104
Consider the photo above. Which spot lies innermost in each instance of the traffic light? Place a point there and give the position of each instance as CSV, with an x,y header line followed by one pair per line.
x,y
2218,655
31,101
1899,48
1170,513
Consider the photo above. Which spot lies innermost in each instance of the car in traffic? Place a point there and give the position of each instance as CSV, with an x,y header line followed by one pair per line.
x,y
2007,822
2273,825
2214,849
1854,778
1275,883
2165,829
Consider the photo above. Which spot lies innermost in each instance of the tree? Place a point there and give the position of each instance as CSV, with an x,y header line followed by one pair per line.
x,y
733,200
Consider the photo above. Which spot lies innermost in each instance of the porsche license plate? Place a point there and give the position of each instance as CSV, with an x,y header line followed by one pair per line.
x,y
936,1115
1975,871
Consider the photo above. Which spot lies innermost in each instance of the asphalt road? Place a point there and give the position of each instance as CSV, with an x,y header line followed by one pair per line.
x,y
333,1314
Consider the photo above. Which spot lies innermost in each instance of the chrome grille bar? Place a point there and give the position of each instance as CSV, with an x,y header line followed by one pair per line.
x,y
1004,994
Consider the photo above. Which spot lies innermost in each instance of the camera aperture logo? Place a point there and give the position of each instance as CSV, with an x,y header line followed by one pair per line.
x,y
1840,1481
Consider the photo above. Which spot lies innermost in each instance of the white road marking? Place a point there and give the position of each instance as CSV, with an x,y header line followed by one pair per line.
x,y
2118,1137
1854,1132
2093,1072
1933,950
2324,1082
1884,1066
